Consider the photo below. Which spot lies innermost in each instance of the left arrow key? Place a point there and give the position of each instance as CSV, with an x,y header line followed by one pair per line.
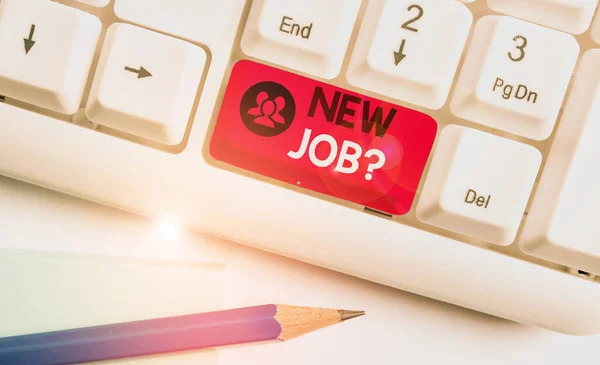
x,y
29,42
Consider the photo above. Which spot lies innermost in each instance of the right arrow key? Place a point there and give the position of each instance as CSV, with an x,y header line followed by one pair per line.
x,y
146,84
141,73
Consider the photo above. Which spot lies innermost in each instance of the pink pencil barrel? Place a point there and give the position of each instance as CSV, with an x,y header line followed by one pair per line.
x,y
140,338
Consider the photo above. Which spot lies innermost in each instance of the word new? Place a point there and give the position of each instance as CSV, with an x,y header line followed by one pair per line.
x,y
479,200
287,26
343,106
520,93
349,153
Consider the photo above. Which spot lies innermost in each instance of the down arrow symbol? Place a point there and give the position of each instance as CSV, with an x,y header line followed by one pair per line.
x,y
29,42
399,55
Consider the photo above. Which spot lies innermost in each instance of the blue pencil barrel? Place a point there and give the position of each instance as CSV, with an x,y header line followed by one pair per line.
x,y
197,331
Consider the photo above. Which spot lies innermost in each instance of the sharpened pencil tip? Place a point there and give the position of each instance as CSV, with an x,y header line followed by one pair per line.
x,y
297,321
346,315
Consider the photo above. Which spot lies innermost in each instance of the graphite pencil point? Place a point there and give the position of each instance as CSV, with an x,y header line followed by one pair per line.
x,y
346,314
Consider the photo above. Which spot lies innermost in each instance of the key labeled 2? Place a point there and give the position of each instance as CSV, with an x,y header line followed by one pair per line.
x,y
410,49
322,138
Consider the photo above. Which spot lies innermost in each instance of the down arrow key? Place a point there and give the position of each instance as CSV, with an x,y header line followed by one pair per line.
x,y
29,42
399,55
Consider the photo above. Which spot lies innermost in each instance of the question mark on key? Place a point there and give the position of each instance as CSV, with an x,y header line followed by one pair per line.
x,y
374,166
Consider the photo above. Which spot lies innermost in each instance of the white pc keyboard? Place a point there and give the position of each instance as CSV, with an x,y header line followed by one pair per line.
x,y
443,147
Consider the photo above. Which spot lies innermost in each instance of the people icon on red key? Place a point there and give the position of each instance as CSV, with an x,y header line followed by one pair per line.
x,y
268,110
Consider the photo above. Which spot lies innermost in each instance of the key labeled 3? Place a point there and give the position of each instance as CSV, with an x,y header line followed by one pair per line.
x,y
322,138
410,49
478,184
512,80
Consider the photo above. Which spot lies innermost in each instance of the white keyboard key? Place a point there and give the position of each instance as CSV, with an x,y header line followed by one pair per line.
x,y
572,16
146,84
46,53
478,184
515,76
210,22
595,30
96,3
562,224
410,49
309,36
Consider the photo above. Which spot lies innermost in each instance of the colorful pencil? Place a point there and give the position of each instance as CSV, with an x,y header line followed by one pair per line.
x,y
165,335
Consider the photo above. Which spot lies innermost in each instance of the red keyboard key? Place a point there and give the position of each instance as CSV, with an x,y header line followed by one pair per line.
x,y
322,138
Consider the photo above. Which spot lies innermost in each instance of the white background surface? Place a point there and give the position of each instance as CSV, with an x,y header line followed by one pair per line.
x,y
400,328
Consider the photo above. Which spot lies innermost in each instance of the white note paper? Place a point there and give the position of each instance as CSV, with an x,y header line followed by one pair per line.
x,y
49,292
